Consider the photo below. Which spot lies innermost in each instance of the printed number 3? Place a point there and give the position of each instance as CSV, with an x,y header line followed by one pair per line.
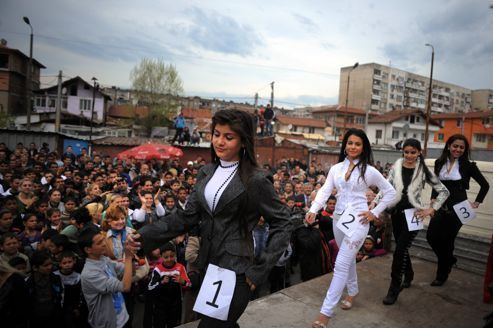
x,y
465,213
348,222
213,303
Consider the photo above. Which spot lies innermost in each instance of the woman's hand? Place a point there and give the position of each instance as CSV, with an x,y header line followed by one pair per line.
x,y
422,214
310,218
475,204
367,217
133,242
250,284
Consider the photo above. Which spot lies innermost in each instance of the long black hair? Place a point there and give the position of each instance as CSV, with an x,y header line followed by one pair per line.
x,y
440,162
366,157
422,166
242,123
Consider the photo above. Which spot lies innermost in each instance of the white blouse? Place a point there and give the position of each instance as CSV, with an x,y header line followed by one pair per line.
x,y
454,173
353,191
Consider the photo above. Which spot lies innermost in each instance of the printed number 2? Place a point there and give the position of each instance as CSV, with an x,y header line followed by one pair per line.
x,y
415,220
348,222
213,303
465,212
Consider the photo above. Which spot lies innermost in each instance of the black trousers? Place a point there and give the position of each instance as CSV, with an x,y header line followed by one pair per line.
x,y
401,262
441,234
241,297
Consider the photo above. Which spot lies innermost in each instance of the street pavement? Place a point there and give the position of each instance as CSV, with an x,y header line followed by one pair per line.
x,y
456,304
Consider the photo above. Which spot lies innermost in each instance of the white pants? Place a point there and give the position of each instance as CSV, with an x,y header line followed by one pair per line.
x,y
345,268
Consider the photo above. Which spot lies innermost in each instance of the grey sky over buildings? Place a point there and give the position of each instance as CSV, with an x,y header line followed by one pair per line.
x,y
232,49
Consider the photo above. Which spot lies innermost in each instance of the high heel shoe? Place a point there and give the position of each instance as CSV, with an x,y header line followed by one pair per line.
x,y
437,283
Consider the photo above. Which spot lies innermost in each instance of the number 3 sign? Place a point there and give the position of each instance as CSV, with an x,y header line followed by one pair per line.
x,y
216,293
464,211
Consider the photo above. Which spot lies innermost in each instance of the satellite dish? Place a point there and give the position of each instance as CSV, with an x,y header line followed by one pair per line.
x,y
290,126
64,91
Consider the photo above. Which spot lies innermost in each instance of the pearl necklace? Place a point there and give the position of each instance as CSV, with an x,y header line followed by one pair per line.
x,y
224,183
228,166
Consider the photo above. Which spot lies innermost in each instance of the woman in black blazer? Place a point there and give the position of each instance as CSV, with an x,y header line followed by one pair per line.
x,y
230,196
454,170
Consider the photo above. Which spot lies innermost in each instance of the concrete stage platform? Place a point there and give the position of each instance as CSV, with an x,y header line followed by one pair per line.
x,y
456,304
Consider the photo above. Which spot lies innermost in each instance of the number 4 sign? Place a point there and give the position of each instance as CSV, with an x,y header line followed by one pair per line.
x,y
413,222
216,293
464,211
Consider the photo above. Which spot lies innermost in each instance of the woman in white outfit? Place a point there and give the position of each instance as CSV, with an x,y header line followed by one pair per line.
x,y
351,177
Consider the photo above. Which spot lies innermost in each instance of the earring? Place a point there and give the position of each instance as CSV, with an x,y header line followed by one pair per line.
x,y
244,152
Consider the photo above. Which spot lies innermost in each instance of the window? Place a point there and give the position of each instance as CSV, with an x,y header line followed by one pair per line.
x,y
440,137
52,102
418,119
311,130
480,137
378,134
412,119
395,134
85,104
422,136
40,102
4,61
486,120
359,120
458,123
73,90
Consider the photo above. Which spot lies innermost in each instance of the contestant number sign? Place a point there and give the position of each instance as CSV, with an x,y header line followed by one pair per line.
x,y
348,222
413,222
216,293
464,211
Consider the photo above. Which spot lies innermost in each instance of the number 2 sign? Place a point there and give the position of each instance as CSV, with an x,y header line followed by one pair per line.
x,y
348,222
464,211
216,293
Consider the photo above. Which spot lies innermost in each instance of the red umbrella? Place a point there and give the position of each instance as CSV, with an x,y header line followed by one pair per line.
x,y
151,151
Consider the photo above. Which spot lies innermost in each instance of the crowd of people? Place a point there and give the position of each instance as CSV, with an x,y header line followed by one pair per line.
x,y
67,227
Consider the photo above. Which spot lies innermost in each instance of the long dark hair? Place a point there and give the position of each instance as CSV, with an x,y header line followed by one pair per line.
x,y
440,162
422,166
366,157
242,123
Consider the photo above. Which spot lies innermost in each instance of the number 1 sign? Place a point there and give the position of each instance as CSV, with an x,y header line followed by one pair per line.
x,y
216,293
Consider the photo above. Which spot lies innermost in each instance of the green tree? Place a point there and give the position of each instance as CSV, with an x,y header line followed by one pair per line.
x,y
157,85
5,120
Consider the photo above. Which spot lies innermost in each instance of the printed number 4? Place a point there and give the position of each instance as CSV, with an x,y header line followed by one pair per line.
x,y
213,303
465,213
415,220
348,222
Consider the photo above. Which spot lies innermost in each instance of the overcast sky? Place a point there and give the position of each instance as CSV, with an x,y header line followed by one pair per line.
x,y
232,49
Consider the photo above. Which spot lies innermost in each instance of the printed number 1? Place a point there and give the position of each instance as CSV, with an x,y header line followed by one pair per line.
x,y
348,222
213,303
465,212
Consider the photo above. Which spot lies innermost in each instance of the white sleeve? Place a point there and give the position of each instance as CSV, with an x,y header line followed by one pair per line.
x,y
160,210
324,193
139,215
385,188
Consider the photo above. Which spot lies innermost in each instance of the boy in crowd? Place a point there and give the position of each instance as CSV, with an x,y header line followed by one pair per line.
x,y
103,281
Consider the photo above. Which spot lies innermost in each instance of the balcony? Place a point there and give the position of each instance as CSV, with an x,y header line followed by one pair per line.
x,y
377,87
376,97
377,77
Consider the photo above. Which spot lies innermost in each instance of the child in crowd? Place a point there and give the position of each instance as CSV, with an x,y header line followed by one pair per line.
x,y
100,281
31,236
19,264
70,206
55,220
6,221
74,312
9,246
368,250
169,203
167,280
46,293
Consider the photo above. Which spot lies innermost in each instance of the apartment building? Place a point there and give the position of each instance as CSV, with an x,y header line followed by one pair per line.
x,y
380,88
482,99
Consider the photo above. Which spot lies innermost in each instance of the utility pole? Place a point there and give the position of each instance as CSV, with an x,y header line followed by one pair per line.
x,y
272,95
58,103
428,109
29,77
347,96
256,100
92,111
